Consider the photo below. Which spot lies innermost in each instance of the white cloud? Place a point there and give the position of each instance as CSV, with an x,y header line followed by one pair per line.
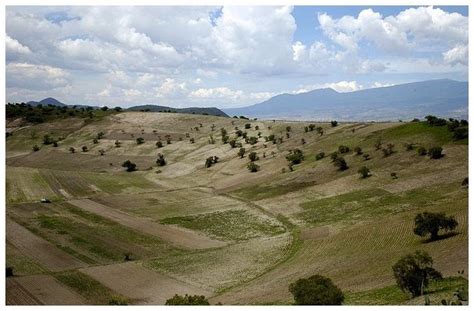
x,y
341,86
380,84
171,89
13,46
457,55
35,77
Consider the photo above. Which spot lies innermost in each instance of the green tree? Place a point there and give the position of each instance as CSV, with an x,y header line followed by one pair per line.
x,y
333,123
36,148
435,153
140,140
320,156
341,164
72,150
432,223
161,160
316,290
187,300
364,172
358,150
159,144
421,151
130,166
252,167
414,271
295,156
241,152
253,156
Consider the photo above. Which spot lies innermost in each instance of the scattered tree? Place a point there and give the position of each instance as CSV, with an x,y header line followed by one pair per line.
x,y
117,144
84,149
414,271
358,150
364,172
253,156
140,140
421,151
319,156
252,167
130,166
343,149
241,152
295,156
341,164
333,123
188,300
159,144
72,150
435,153
36,148
316,290
311,127
432,223
161,160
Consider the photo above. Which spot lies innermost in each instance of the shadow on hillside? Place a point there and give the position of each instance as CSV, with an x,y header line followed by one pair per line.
x,y
441,237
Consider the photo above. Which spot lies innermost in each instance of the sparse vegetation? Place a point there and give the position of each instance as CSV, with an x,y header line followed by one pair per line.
x,y
130,166
295,156
364,172
252,167
187,300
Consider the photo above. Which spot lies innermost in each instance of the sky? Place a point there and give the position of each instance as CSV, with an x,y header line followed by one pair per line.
x,y
225,56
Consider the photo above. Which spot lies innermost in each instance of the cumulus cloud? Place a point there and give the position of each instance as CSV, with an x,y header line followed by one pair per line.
x,y
13,46
35,77
341,87
457,55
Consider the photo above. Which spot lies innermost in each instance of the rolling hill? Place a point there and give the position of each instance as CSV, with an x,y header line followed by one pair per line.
x,y
447,98
212,111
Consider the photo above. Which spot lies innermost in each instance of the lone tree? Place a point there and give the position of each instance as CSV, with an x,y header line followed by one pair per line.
x,y
187,300
333,123
253,167
117,144
341,164
295,156
36,148
84,149
316,290
253,156
414,271
241,153
320,156
364,172
161,160
140,140
159,144
129,165
435,153
431,223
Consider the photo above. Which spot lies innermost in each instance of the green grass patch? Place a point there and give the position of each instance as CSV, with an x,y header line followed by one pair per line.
x,y
21,264
92,290
421,132
364,204
234,225
258,192
393,295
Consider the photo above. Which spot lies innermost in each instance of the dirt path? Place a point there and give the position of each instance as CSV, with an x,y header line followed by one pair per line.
x,y
40,250
177,236
40,289
148,287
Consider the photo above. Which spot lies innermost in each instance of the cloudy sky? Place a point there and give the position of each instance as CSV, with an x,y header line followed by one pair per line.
x,y
225,56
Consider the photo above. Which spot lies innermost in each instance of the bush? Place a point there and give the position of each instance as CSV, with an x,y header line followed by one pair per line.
x,y
378,144
72,150
413,272
366,157
421,151
320,131
117,144
101,152
95,141
187,300
296,156
252,140
311,127
288,129
84,149
140,140
435,152
461,133
241,152
252,167
319,156
333,123
388,150
431,223
409,146
316,290
232,143
358,150
465,182
247,126
159,144
36,148
364,172
343,149
253,156
129,165
191,140
47,140
341,164
161,160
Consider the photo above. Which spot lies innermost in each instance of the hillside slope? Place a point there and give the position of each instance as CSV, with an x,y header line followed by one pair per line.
x,y
232,235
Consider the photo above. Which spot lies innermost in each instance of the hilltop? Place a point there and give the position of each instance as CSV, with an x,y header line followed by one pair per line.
x,y
200,222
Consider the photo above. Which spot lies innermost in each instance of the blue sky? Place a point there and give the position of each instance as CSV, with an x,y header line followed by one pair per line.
x,y
225,56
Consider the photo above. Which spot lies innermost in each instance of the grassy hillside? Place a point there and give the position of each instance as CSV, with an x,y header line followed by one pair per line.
x,y
240,237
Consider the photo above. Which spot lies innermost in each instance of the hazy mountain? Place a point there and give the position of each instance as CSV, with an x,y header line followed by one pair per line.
x,y
446,98
193,110
46,101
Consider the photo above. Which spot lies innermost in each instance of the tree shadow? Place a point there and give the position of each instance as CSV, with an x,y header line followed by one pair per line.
x,y
441,237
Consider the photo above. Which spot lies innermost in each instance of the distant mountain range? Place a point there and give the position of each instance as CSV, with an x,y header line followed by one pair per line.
x,y
444,98
151,108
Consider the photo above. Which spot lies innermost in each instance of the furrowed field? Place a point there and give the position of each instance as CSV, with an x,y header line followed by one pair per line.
x,y
110,236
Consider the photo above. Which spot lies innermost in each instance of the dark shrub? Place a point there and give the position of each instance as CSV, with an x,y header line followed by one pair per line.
x,y
431,223
187,300
435,152
320,156
253,156
252,167
296,156
316,290
364,172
